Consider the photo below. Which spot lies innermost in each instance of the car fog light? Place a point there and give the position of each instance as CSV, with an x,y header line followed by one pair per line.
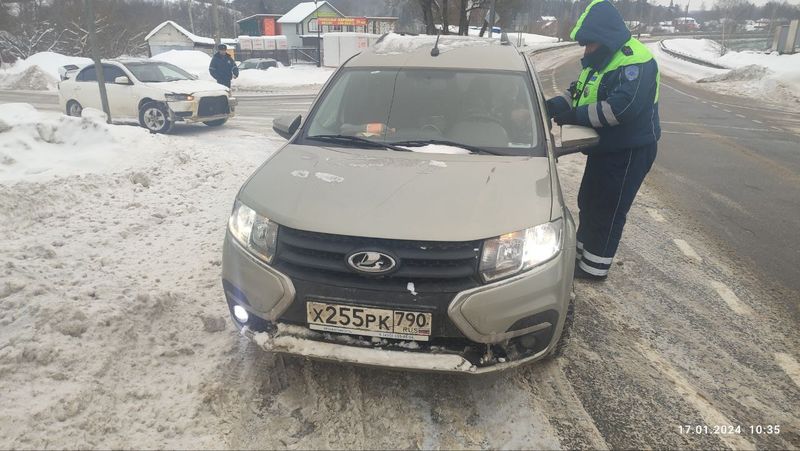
x,y
240,314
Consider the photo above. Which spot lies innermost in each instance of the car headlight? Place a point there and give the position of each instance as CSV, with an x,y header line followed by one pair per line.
x,y
178,97
256,233
515,252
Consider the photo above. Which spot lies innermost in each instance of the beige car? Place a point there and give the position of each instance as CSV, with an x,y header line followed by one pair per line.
x,y
414,219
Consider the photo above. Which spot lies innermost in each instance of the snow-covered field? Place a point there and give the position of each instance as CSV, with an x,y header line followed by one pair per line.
x,y
111,313
769,76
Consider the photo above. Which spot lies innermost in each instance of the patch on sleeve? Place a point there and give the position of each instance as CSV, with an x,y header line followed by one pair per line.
x,y
631,72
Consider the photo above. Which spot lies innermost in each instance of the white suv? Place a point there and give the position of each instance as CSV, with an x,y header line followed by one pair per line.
x,y
155,93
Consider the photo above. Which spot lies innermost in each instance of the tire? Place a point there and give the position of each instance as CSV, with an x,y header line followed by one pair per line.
x,y
566,332
216,123
74,108
154,116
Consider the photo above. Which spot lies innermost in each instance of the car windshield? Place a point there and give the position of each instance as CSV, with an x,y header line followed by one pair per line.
x,y
157,72
248,65
432,110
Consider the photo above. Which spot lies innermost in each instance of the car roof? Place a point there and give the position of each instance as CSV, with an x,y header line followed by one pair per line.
x,y
455,52
258,60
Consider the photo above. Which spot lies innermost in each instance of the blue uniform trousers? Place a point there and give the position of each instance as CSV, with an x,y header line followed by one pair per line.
x,y
610,183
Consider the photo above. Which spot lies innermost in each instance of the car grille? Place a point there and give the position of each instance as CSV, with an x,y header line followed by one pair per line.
x,y
212,106
445,265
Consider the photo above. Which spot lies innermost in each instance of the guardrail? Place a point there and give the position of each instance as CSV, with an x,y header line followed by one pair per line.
x,y
688,58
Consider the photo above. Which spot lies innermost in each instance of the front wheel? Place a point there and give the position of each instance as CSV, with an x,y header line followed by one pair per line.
x,y
216,123
74,108
154,116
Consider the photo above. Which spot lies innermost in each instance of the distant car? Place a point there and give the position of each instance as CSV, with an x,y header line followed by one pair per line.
x,y
258,63
349,245
155,93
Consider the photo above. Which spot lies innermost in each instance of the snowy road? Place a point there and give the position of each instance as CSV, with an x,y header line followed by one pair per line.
x,y
109,333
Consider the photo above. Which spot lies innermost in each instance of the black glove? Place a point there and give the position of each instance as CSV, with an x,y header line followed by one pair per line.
x,y
568,117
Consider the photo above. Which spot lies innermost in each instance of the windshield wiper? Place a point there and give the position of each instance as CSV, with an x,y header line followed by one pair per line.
x,y
444,142
347,139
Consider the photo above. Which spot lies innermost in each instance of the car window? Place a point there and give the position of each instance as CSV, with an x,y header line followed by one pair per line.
x,y
110,72
247,65
87,74
487,109
157,72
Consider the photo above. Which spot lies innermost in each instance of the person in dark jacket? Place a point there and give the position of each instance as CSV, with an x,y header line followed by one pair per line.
x,y
223,67
616,94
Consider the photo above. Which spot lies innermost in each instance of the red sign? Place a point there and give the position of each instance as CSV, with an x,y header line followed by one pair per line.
x,y
344,21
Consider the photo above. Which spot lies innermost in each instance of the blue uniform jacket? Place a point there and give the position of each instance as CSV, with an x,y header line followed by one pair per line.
x,y
629,90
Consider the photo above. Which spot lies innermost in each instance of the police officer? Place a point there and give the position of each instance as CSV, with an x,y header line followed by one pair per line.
x,y
616,94
223,67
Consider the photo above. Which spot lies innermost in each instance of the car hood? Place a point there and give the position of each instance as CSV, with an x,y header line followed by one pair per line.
x,y
188,86
398,195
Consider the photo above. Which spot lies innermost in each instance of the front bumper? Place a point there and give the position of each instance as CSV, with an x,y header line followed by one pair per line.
x,y
189,110
486,328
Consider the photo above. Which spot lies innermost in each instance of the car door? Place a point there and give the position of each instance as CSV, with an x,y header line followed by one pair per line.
x,y
121,97
86,91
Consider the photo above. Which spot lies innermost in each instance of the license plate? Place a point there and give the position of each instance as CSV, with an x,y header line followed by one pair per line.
x,y
373,322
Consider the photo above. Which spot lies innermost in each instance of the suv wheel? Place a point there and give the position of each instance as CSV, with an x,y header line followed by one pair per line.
x,y
74,108
215,123
563,340
154,116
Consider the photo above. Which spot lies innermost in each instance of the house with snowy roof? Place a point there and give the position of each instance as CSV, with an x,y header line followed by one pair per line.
x,y
299,25
171,36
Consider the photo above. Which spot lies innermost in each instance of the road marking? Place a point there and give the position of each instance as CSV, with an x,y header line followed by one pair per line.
x,y
687,250
682,133
700,401
757,121
731,299
655,215
740,115
772,108
775,128
789,366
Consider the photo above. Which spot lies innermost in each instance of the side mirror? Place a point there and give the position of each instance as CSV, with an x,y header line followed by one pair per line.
x,y
575,138
122,81
286,125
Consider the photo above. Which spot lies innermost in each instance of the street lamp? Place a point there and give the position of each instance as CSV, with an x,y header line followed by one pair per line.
x,y
319,43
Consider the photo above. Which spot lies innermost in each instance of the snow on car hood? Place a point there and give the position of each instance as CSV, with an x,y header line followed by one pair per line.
x,y
387,194
188,86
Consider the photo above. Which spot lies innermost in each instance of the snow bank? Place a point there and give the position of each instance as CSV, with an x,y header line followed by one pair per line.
x,y
276,78
193,61
282,78
38,72
36,145
760,75
114,332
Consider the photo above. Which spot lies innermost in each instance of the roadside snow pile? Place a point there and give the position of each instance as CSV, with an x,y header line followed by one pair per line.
x,y
282,78
760,75
746,73
113,327
193,61
41,145
39,72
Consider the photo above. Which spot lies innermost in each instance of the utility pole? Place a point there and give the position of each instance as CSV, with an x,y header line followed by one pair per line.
x,y
215,18
491,17
319,41
98,64
191,19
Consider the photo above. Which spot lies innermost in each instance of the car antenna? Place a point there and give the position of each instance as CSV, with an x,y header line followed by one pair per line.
x,y
435,49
